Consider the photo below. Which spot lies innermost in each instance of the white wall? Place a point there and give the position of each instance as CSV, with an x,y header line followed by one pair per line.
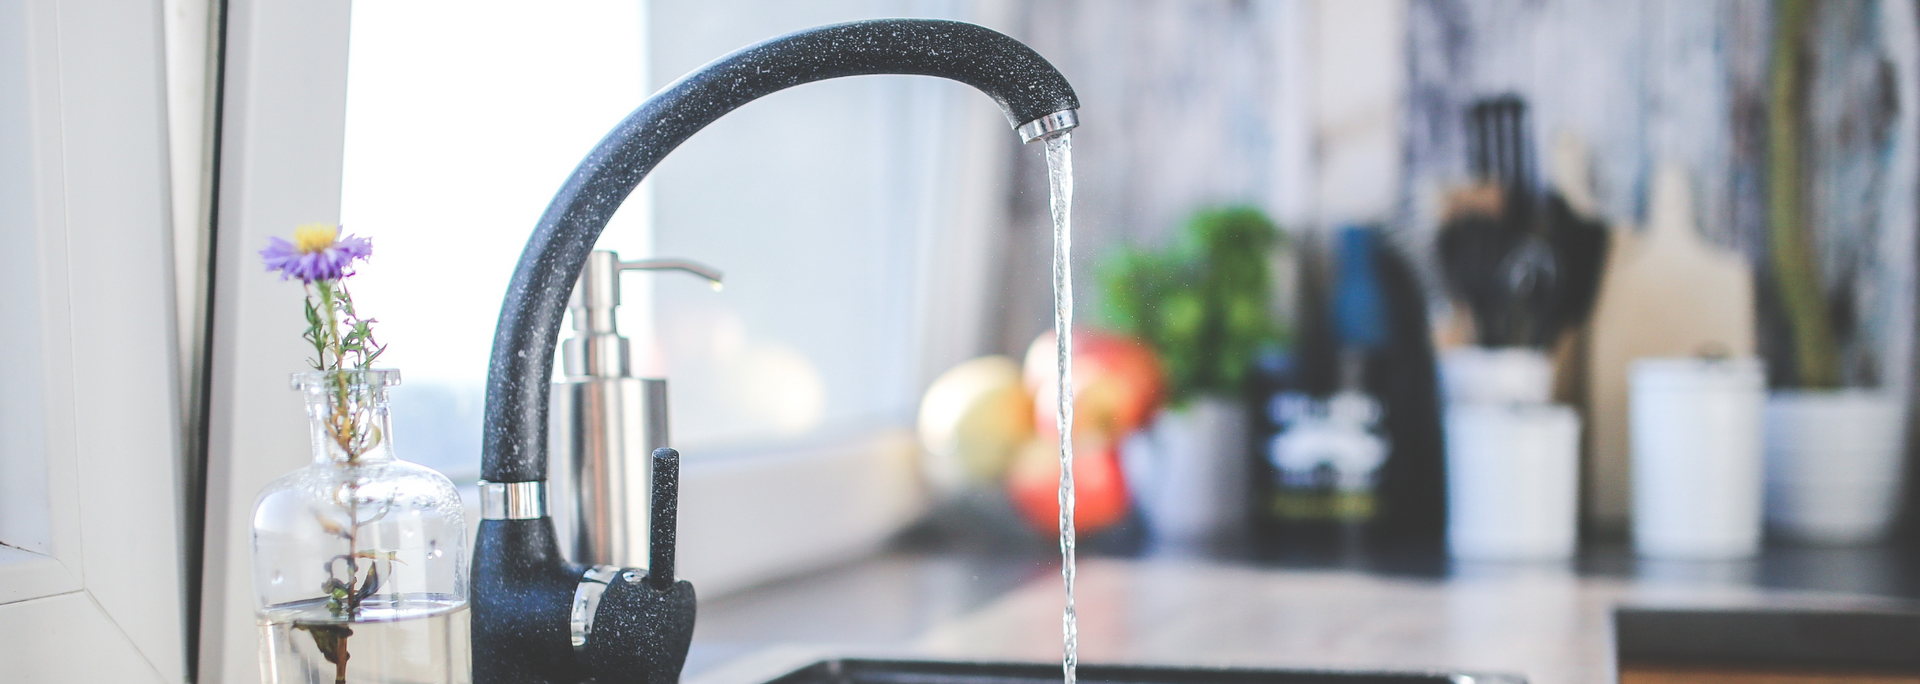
x,y
1294,106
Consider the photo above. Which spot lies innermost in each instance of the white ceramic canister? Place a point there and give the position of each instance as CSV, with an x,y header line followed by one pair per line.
x,y
1696,459
1512,481
1833,464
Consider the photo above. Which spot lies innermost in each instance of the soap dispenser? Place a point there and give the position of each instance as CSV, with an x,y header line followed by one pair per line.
x,y
606,423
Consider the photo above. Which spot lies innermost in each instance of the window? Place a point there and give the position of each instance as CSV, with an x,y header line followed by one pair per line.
x,y
462,121
819,203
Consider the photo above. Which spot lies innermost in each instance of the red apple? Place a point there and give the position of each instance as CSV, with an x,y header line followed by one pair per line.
x,y
1117,384
1100,491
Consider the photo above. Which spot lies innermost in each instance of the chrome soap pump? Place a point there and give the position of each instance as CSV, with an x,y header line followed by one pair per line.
x,y
605,424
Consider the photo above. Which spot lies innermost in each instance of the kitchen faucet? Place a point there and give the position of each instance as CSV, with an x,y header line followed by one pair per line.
x,y
538,618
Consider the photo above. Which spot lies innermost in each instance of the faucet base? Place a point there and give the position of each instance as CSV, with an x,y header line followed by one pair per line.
x,y
522,611
641,634
522,597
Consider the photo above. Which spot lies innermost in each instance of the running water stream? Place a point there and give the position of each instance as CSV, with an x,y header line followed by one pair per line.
x,y
1060,183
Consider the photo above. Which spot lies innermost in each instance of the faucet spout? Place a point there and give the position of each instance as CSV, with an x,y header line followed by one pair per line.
x,y
524,592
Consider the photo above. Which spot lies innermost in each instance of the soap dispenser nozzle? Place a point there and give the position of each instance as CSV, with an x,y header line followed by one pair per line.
x,y
597,350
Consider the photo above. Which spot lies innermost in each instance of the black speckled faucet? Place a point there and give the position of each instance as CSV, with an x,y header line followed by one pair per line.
x,y
538,619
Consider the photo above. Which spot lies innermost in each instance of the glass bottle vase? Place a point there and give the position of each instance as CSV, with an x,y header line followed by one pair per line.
x,y
359,567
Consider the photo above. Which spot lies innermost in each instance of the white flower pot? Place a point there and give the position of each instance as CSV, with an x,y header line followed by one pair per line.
x,y
1833,464
1187,472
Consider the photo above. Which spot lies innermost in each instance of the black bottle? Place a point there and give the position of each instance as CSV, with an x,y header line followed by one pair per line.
x,y
1364,340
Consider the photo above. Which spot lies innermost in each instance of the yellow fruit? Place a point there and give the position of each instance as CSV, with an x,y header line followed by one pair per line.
x,y
971,420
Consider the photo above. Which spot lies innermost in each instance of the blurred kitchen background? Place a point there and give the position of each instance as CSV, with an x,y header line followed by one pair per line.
x,y
1406,287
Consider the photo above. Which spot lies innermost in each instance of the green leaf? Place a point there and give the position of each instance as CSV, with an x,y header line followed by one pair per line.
x,y
1203,303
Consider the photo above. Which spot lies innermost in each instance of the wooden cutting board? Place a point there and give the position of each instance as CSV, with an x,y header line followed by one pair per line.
x,y
1666,292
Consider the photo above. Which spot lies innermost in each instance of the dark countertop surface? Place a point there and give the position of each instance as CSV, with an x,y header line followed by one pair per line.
x,y
1404,608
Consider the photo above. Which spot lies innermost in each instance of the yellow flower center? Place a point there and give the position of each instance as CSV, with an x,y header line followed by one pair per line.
x,y
314,237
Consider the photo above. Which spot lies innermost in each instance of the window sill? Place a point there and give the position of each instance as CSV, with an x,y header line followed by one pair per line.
x,y
748,520
27,575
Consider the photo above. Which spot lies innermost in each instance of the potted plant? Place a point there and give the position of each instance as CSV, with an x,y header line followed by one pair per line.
x,y
1832,439
1205,306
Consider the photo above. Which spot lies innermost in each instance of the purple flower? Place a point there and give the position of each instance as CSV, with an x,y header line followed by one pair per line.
x,y
317,252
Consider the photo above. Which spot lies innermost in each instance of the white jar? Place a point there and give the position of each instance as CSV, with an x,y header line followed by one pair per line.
x,y
1696,459
1512,481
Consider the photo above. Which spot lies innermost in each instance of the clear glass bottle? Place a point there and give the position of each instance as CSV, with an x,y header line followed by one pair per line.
x,y
359,559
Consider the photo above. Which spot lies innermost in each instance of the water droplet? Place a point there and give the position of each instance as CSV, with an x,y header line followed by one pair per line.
x,y
278,577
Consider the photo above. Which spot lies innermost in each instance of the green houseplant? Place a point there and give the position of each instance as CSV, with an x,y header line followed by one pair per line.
x,y
1833,441
1205,306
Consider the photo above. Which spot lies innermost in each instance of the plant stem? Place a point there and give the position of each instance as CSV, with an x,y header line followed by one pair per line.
x,y
344,424
345,421
353,571
1815,353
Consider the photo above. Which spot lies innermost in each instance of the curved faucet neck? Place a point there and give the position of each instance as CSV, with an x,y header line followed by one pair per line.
x,y
1037,100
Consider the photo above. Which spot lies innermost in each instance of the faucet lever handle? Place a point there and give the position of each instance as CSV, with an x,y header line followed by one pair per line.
x,y
666,504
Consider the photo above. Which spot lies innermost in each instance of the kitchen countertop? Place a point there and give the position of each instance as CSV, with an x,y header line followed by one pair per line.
x,y
1550,622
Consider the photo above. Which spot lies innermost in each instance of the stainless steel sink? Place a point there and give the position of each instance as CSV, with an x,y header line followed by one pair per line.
x,y
860,671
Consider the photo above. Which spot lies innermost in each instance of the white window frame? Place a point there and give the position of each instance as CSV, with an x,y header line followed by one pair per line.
x,y
98,596
283,118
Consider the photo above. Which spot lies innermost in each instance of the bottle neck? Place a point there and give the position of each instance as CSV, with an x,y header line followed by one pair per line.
x,y
347,416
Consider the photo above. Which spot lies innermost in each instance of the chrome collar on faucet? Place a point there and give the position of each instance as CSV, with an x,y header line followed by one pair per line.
x,y
513,500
